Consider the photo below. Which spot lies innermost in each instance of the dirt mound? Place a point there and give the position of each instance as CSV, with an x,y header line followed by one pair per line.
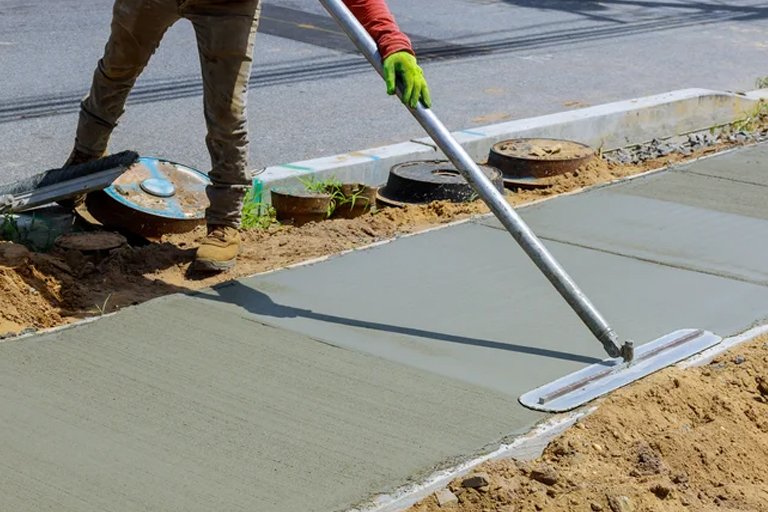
x,y
29,298
680,440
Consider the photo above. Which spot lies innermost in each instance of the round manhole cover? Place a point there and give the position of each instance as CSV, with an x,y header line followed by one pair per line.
x,y
424,181
518,158
151,198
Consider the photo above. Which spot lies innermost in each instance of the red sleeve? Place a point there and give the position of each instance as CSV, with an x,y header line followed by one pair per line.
x,y
377,19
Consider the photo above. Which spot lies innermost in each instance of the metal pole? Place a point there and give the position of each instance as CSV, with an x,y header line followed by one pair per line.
x,y
492,197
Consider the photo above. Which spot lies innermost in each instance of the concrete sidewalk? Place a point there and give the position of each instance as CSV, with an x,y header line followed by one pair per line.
x,y
316,387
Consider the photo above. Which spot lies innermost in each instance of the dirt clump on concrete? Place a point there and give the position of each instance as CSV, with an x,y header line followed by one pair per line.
x,y
69,287
679,440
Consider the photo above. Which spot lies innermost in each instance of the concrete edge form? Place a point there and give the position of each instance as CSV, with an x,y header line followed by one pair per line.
x,y
531,445
609,126
724,346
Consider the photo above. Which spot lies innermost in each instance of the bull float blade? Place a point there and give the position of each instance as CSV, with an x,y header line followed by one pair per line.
x,y
583,386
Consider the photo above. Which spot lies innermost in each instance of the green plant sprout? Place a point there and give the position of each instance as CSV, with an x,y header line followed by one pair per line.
x,y
752,120
257,215
103,308
334,188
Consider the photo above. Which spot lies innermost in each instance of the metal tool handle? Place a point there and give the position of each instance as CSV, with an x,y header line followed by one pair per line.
x,y
486,190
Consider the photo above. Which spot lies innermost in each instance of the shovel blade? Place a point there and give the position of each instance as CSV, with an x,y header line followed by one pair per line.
x,y
578,388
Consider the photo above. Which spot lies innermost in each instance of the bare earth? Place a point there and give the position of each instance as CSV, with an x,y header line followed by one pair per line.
x,y
47,290
680,440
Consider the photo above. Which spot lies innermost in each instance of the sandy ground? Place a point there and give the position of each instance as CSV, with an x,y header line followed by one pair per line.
x,y
680,440
45,290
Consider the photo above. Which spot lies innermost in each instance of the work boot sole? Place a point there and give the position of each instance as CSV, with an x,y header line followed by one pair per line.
x,y
214,266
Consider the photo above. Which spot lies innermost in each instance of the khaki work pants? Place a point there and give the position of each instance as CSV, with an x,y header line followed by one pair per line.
x,y
225,31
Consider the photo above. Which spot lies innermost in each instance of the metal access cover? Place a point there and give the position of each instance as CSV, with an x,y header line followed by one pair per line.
x,y
538,158
162,188
423,181
152,197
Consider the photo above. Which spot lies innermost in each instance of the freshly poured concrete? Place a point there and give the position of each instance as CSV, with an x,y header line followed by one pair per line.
x,y
316,387
710,216
466,302
154,409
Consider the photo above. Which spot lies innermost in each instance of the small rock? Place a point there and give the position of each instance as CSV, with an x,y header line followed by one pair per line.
x,y
739,360
620,504
762,386
597,448
476,480
680,479
560,449
596,507
484,488
661,491
446,499
545,474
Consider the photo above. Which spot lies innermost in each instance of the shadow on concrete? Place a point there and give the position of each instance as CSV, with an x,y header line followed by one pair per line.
x,y
259,303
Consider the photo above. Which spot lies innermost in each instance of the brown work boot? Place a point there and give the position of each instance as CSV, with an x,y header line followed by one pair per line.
x,y
219,250
77,157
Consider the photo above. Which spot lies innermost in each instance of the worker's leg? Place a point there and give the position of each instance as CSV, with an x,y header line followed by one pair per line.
x,y
137,27
225,35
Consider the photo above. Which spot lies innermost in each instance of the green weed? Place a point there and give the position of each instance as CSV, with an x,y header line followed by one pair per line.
x,y
335,189
330,186
753,120
257,215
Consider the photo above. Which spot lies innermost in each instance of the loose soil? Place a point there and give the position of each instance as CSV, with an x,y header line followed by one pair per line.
x,y
544,149
679,440
59,287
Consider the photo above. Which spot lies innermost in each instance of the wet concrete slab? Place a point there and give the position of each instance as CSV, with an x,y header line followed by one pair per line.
x,y
466,302
158,409
709,216
746,165
663,232
315,387
701,191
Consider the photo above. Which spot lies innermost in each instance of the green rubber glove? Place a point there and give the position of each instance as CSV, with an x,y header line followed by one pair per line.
x,y
403,66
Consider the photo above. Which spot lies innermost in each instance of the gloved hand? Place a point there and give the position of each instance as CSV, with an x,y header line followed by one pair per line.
x,y
403,65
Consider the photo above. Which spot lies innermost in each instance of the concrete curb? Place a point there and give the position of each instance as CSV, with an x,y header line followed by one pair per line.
x,y
609,126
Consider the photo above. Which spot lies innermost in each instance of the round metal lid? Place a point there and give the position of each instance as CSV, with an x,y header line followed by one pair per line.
x,y
163,189
423,181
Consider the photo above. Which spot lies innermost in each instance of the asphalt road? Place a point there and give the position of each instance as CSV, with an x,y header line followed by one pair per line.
x,y
311,95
